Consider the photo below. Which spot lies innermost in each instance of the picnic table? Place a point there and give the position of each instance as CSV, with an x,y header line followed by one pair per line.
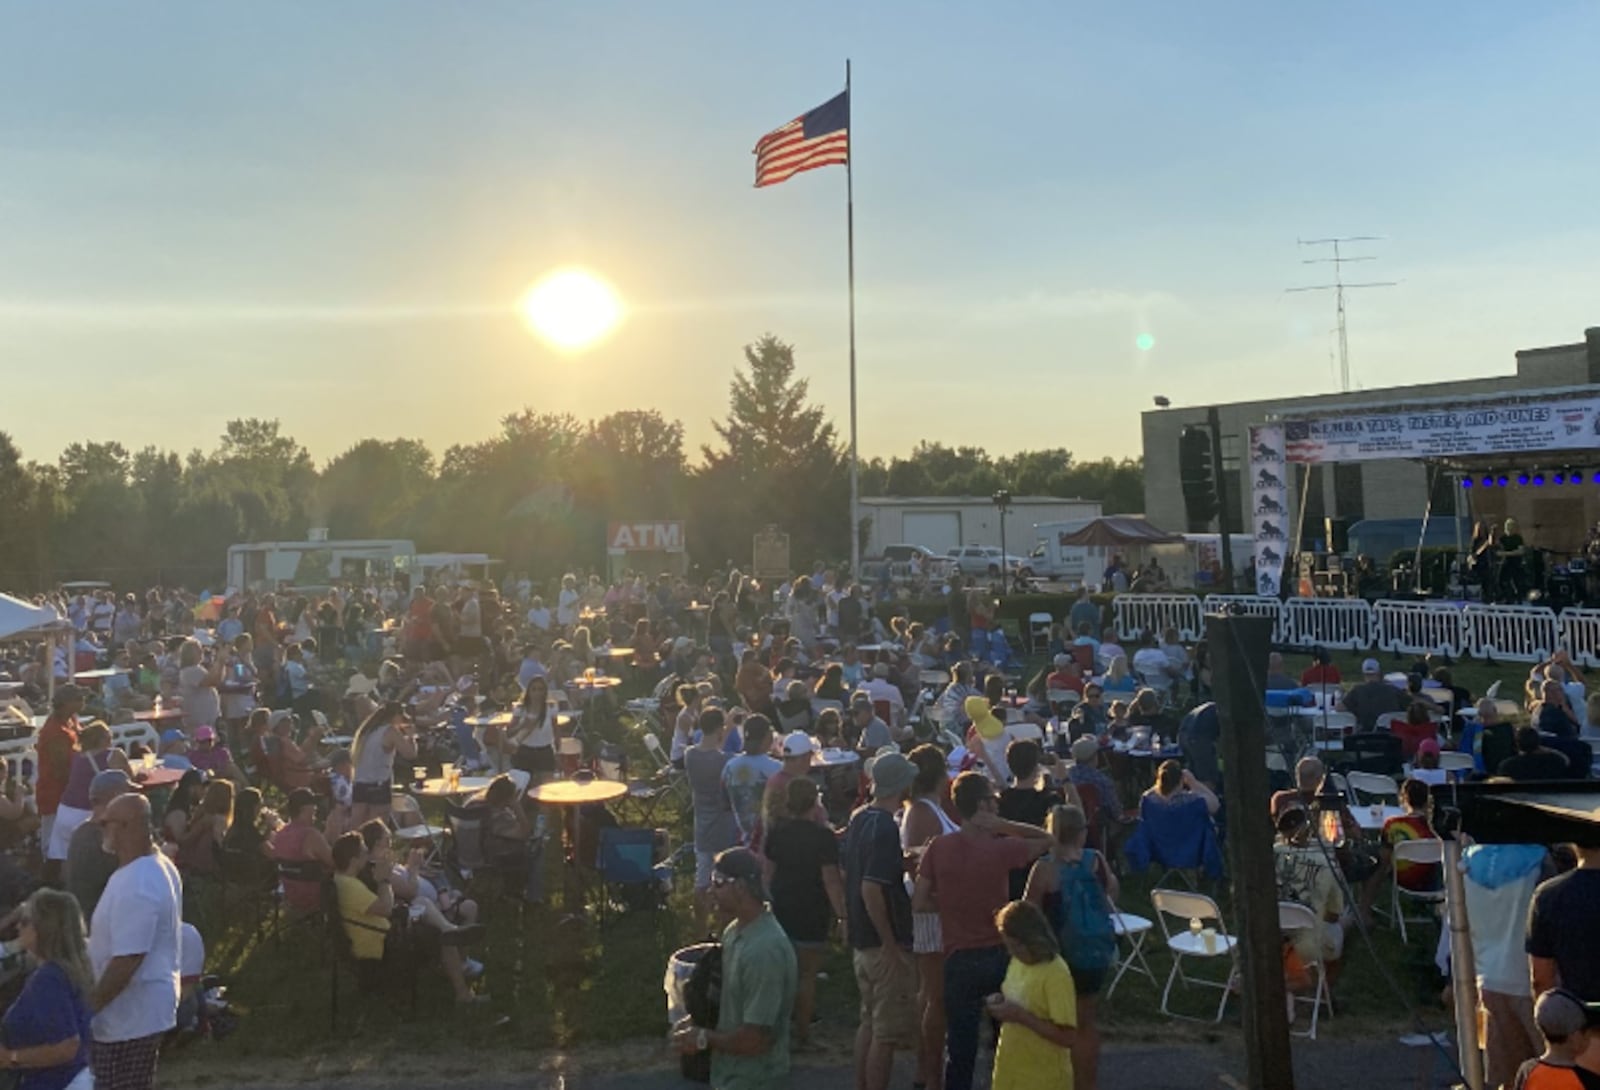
x,y
157,778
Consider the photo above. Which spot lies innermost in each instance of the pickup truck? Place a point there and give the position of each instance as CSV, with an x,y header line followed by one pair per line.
x,y
986,560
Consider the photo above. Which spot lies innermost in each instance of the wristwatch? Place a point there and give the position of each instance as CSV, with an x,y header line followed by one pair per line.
x,y
700,1042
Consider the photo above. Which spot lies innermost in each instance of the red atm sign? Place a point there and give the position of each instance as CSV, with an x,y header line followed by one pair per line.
x,y
644,537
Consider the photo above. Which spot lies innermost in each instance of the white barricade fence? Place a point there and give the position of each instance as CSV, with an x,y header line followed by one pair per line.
x,y
1580,634
1328,622
1251,605
1420,628
1516,633
1135,614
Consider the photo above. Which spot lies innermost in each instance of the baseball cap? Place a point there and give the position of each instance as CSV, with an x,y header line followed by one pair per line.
x,y
1560,1013
742,865
171,735
891,774
857,699
108,785
1061,660
1428,745
205,734
1370,666
797,743
1085,749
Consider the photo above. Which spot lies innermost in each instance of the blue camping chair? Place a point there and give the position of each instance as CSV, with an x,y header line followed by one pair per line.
x,y
625,861
1001,655
1178,836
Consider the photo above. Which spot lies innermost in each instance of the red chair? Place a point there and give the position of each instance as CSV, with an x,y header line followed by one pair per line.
x,y
1083,655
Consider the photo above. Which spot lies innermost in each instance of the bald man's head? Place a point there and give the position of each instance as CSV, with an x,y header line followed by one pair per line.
x,y
125,828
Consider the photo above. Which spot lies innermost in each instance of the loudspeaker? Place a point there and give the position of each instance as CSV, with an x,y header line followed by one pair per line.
x,y
1337,534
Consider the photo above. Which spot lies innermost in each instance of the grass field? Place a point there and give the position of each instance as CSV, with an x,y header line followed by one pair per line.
x,y
565,985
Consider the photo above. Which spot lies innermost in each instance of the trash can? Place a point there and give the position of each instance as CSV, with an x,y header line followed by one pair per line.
x,y
680,967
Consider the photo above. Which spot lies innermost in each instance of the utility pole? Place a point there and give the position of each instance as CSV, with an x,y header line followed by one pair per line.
x,y
1339,287
1220,480
1239,645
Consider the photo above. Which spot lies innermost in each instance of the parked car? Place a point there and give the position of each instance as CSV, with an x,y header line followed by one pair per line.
x,y
986,560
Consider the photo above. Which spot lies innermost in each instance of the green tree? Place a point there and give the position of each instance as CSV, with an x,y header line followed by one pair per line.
x,y
780,463
373,489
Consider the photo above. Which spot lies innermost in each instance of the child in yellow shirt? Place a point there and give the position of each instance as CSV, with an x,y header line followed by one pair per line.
x,y
1036,1006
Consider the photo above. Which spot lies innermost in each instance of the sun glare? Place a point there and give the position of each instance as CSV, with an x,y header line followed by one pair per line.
x,y
571,309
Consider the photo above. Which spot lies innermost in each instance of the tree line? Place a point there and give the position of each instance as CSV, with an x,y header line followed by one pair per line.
x,y
538,494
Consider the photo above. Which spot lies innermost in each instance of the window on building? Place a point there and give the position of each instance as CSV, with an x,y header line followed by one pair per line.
x,y
1348,499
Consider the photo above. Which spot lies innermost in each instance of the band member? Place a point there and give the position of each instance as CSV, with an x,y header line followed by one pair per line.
x,y
1483,557
1513,563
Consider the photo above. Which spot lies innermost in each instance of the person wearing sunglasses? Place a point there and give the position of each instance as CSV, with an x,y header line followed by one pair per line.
x,y
47,1028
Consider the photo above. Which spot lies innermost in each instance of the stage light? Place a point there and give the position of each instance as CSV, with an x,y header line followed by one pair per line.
x,y
1522,479
1466,482
1500,480
1538,480
1560,478
1488,482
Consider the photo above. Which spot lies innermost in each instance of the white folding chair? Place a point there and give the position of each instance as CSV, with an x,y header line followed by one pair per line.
x,y
1423,851
1368,787
124,735
1292,917
1039,631
1185,944
1133,929
1456,762
665,773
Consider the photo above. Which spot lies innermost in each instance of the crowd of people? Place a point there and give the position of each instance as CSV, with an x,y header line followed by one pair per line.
x,y
900,785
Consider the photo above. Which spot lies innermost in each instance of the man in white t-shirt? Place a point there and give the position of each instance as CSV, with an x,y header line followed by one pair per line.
x,y
134,950
539,615
879,687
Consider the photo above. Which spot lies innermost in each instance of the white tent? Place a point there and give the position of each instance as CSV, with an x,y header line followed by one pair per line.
x,y
19,618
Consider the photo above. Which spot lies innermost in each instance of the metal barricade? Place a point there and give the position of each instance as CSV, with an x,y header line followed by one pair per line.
x,y
1251,605
1420,628
1328,622
1135,614
1517,633
1580,634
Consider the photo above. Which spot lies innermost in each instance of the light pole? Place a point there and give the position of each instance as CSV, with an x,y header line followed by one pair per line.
x,y
1002,500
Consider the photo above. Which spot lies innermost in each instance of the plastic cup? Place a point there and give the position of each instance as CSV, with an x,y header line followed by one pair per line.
x,y
1377,812
448,771
1208,937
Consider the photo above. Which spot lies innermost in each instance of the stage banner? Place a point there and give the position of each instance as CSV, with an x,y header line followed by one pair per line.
x,y
1508,427
1269,493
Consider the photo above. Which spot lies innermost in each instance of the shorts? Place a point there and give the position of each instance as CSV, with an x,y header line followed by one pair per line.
x,y
703,862
371,794
1087,982
47,828
888,987
926,936
534,759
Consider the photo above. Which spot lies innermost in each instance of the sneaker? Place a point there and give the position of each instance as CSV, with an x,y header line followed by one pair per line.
x,y
472,968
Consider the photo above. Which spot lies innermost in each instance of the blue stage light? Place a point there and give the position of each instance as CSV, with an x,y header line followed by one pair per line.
x,y
1522,479
1488,482
1466,482
1500,480
1538,480
1560,478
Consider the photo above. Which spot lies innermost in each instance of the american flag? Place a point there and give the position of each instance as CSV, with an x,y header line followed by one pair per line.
x,y
820,138
1300,444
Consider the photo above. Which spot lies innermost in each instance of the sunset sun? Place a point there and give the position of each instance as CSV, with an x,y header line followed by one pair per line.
x,y
571,309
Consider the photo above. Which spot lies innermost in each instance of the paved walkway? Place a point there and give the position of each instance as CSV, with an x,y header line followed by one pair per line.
x,y
1319,1065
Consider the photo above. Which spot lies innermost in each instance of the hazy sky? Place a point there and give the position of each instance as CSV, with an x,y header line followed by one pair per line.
x,y
327,212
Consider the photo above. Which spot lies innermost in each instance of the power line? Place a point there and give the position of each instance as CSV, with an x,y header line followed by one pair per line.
x,y
1339,287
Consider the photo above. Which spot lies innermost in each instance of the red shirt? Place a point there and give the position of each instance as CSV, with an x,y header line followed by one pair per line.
x,y
971,880
56,745
1319,674
1062,681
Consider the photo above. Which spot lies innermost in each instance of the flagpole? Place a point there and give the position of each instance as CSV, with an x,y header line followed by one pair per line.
x,y
850,245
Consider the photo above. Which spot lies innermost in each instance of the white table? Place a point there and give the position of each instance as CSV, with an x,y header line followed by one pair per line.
x,y
436,788
1368,823
835,758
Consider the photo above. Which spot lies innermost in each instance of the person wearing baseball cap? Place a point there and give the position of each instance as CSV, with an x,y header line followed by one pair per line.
x,y
1567,1025
878,921
1373,697
89,866
750,1044
174,749
209,755
795,754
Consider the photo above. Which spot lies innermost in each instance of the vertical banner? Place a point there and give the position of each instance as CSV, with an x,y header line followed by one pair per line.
x,y
1269,493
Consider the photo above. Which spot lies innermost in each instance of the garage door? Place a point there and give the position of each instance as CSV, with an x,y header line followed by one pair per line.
x,y
938,530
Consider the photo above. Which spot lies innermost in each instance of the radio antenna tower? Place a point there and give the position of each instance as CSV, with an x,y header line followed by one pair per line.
x,y
1339,260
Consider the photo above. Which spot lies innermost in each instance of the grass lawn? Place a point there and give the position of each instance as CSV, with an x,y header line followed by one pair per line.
x,y
560,985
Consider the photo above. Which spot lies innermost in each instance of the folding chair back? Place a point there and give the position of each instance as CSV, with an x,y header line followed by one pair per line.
x,y
1186,906
652,746
1373,752
1457,762
467,826
1367,786
1292,917
1426,851
611,763
1422,850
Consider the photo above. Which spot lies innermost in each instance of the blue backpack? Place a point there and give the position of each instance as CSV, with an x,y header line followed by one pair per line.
x,y
1083,924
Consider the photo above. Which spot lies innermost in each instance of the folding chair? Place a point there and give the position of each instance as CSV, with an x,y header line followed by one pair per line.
x,y
1457,763
1373,752
672,780
626,860
1428,851
1185,944
1039,632
612,764
1367,788
1293,916
1133,929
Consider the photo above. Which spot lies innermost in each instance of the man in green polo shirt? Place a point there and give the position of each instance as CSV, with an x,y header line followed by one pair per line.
x,y
750,1046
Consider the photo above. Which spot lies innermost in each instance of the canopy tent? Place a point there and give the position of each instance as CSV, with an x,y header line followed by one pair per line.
x,y
19,619
1120,531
